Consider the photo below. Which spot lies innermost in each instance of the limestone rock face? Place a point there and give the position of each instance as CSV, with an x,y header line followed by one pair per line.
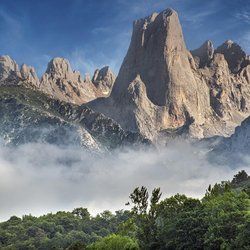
x,y
103,80
10,74
229,92
29,75
162,86
62,83
9,69
158,54
157,49
204,54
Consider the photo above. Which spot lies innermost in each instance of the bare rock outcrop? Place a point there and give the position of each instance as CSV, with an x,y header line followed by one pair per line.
x,y
229,91
10,74
29,75
62,83
103,80
204,54
162,87
9,70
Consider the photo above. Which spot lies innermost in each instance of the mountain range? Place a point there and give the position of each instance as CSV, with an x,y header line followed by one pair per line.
x,y
162,91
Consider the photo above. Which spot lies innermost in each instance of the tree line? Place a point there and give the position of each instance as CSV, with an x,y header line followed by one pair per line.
x,y
220,220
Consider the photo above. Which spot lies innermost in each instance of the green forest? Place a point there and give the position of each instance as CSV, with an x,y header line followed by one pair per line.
x,y
220,220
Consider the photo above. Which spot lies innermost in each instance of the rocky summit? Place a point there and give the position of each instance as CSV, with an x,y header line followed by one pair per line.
x,y
162,88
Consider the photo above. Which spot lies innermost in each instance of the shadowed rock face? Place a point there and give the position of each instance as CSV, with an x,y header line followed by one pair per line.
x,y
233,150
204,54
28,115
173,93
234,55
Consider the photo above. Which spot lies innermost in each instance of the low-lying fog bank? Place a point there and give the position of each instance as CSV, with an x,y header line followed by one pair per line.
x,y
41,178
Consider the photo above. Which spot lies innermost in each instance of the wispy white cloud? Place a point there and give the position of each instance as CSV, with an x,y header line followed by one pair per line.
x,y
110,51
80,62
198,17
138,9
243,16
101,30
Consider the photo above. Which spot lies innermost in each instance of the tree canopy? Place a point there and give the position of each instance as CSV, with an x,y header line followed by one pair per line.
x,y
220,220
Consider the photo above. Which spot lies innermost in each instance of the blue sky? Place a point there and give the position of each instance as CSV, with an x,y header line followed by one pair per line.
x,y
94,33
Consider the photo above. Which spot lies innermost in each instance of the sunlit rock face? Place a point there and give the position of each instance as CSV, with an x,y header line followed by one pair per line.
x,y
59,81
8,68
62,83
103,80
162,86
10,74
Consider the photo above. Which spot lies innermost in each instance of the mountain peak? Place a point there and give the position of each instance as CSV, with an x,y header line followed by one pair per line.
x,y
28,73
59,66
229,42
104,79
151,18
234,55
8,67
154,40
204,54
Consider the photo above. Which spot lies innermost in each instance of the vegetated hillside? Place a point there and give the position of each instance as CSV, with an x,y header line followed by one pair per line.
x,y
31,116
221,220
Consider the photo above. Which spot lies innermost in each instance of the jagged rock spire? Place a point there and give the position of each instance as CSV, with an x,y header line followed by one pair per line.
x,y
63,83
59,67
8,68
103,80
204,54
11,75
234,55
153,40
28,74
